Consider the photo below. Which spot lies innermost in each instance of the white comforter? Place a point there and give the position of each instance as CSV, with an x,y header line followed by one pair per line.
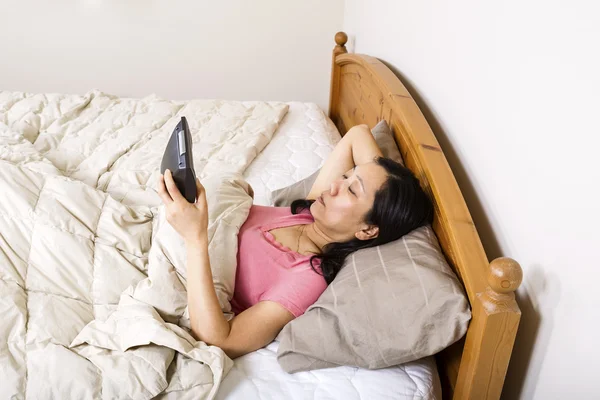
x,y
92,279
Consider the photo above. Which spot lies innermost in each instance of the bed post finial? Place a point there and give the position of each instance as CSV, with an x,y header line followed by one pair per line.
x,y
340,39
505,275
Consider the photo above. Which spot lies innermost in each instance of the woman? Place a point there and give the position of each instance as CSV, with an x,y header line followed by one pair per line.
x,y
288,256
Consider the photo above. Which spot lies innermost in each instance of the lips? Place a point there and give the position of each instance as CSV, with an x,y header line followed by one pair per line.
x,y
320,199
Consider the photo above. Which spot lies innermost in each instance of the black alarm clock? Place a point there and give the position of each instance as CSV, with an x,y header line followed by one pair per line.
x,y
178,159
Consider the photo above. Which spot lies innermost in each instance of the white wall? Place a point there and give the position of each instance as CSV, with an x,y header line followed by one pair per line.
x,y
512,90
235,49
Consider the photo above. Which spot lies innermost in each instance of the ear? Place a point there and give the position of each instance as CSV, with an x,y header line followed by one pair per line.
x,y
369,232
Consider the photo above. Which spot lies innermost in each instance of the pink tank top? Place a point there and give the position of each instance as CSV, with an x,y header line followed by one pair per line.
x,y
268,270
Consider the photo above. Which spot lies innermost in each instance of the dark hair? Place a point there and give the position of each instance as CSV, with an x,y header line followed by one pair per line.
x,y
400,206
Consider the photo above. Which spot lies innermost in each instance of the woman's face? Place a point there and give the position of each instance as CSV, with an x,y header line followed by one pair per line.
x,y
339,212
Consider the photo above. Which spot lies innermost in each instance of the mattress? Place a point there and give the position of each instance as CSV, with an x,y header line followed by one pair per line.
x,y
299,147
257,375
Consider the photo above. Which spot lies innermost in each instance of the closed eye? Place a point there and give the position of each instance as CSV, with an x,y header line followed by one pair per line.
x,y
349,189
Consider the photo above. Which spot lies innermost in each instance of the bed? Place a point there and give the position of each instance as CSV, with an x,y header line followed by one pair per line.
x,y
365,91
278,152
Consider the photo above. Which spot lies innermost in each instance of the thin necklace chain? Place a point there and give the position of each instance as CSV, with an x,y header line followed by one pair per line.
x,y
298,244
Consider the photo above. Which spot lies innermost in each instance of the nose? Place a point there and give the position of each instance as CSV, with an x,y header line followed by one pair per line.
x,y
335,187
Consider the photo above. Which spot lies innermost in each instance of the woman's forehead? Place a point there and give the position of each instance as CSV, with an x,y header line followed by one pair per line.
x,y
371,173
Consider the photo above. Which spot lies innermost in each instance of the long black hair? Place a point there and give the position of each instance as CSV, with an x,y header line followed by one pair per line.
x,y
400,206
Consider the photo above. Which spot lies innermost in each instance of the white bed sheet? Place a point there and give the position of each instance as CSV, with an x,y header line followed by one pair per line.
x,y
300,146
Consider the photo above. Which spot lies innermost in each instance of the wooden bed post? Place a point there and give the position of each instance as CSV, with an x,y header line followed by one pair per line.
x,y
334,91
490,339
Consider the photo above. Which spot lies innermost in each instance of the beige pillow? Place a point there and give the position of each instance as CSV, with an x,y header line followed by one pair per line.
x,y
386,142
299,190
388,305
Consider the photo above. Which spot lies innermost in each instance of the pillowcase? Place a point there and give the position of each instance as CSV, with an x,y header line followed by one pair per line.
x,y
385,140
299,190
388,305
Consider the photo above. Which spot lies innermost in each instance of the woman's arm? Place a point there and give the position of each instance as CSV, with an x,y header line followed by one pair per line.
x,y
357,147
251,330
206,318
191,222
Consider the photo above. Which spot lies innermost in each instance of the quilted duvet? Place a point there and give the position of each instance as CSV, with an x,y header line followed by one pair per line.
x,y
93,296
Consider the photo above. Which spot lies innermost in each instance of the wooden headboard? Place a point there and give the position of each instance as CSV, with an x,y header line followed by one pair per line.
x,y
365,91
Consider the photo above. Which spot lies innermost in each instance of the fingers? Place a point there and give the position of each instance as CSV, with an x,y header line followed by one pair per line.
x,y
172,187
162,191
